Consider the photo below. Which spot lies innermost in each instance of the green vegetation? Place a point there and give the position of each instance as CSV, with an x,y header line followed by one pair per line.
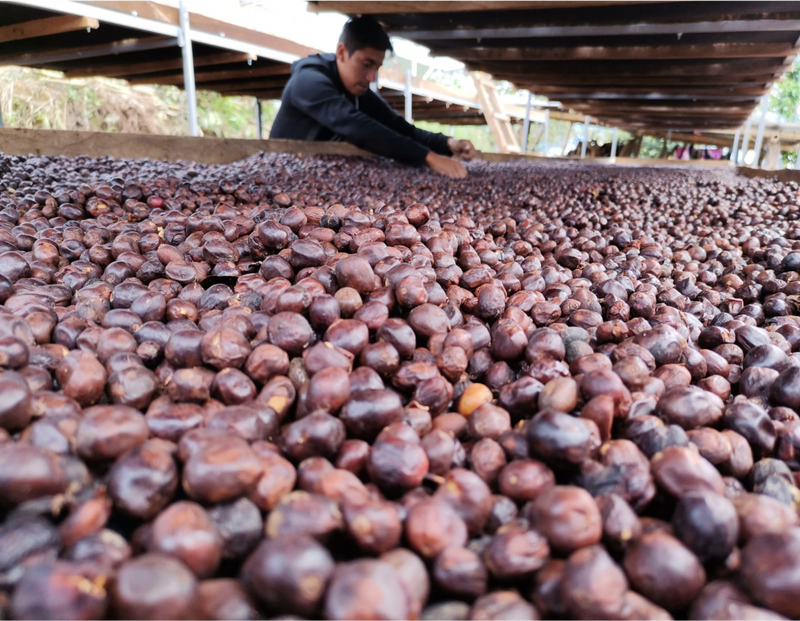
x,y
784,101
36,99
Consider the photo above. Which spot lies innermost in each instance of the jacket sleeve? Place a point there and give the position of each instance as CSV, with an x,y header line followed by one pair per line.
x,y
377,108
315,95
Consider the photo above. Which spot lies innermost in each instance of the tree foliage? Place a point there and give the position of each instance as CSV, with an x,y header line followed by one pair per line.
x,y
785,97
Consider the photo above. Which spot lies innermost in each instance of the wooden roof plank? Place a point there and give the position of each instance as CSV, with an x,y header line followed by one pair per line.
x,y
217,76
47,26
593,53
688,90
604,30
388,7
84,52
136,69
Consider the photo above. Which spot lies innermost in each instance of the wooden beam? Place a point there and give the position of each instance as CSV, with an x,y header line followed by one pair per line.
x,y
652,97
217,76
210,25
663,112
643,81
603,30
125,46
391,7
689,90
142,8
46,27
132,69
273,93
225,86
658,106
632,68
627,52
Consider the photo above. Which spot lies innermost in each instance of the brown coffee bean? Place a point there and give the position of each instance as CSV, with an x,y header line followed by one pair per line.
x,y
770,570
365,588
143,481
305,514
593,585
461,572
664,570
289,574
433,525
707,524
568,517
60,590
108,431
184,530
681,470
153,586
516,552
222,469
524,480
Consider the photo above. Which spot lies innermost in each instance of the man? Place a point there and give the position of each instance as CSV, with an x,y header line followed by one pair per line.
x,y
328,97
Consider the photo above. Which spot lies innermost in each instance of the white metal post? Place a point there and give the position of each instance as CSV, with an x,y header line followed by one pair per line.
x,y
760,133
185,42
546,130
585,136
408,96
797,158
526,124
735,148
614,137
745,140
259,126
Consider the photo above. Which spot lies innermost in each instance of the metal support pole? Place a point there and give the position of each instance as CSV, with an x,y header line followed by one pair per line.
x,y
546,130
1,114
185,42
259,127
614,137
760,134
526,125
408,96
585,136
745,139
797,158
735,148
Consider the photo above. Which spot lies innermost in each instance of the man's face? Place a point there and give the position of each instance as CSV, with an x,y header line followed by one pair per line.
x,y
360,69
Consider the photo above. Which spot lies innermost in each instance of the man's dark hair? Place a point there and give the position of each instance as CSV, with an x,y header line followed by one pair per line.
x,y
362,32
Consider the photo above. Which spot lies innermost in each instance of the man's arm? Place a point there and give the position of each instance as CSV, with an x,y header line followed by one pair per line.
x,y
377,108
316,96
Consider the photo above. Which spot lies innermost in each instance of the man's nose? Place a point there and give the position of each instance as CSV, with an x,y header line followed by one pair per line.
x,y
372,75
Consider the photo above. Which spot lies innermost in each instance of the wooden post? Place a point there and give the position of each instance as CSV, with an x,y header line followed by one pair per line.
x,y
526,126
408,97
566,140
259,127
585,136
546,131
614,137
735,148
188,70
745,139
760,133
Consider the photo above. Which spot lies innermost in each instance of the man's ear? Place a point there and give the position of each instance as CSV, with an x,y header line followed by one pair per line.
x,y
341,52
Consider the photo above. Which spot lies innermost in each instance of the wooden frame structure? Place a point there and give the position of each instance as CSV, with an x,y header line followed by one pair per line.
x,y
661,65
139,41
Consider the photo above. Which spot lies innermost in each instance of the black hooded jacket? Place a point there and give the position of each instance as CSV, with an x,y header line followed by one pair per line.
x,y
315,106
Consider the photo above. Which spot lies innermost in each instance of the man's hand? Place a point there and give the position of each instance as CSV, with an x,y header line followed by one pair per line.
x,y
461,148
445,166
